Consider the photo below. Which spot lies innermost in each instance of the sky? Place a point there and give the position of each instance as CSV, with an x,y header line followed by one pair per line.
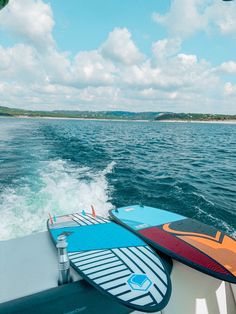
x,y
133,55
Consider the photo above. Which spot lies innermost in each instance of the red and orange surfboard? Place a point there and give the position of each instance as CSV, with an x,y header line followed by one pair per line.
x,y
187,240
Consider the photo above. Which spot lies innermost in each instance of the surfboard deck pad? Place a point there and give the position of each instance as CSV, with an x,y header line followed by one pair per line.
x,y
114,261
187,240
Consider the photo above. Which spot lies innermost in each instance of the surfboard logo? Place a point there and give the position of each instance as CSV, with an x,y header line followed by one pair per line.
x,y
141,226
139,282
129,209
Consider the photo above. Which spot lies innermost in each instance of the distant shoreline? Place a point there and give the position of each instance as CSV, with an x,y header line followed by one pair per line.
x,y
199,121
76,118
125,120
143,116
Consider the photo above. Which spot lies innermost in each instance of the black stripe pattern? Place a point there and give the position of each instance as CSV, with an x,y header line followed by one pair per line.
x,y
134,275
88,219
115,270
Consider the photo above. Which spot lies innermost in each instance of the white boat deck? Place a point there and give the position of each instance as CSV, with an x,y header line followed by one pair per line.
x,y
29,265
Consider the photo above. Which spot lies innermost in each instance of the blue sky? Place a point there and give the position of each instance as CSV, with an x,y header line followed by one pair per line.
x,y
84,25
137,55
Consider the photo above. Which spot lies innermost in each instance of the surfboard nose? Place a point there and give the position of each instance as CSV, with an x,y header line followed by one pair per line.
x,y
114,261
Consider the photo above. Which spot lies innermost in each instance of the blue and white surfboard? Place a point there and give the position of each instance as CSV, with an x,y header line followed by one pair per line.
x,y
115,261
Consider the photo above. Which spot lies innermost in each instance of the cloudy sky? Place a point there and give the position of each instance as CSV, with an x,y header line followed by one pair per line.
x,y
136,55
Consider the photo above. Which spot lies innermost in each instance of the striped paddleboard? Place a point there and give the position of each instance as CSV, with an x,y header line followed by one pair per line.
x,y
114,260
186,240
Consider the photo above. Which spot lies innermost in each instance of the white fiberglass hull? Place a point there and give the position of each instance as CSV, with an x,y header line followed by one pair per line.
x,y
29,265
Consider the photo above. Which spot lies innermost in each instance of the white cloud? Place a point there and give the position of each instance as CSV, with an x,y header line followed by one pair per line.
x,y
222,15
120,47
91,68
19,63
29,20
116,75
183,19
171,74
228,67
186,18
187,59
24,63
230,89
166,47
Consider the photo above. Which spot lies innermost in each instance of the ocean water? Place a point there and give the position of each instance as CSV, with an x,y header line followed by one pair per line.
x,y
63,166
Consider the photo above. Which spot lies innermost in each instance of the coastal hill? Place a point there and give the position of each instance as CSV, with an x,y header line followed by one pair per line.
x,y
117,115
194,117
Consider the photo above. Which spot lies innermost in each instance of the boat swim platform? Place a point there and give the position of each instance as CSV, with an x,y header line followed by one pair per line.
x,y
29,277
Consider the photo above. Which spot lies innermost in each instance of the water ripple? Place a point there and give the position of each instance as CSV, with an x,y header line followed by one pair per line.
x,y
64,165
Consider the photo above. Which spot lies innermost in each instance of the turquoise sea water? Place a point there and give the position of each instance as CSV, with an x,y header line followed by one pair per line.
x,y
62,166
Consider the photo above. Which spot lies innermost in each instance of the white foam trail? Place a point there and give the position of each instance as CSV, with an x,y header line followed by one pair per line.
x,y
61,188
204,198
229,230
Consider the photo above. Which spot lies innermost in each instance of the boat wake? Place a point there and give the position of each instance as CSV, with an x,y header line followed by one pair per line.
x,y
215,222
60,187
